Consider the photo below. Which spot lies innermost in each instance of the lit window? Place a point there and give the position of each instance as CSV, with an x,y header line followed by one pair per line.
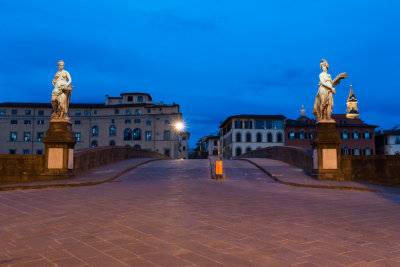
x,y
95,130
302,134
128,112
292,134
113,130
356,135
13,136
148,135
40,122
137,134
367,135
345,135
27,136
138,112
78,136
3,112
40,135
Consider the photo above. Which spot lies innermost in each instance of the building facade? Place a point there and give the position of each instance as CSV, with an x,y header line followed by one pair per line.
x,y
242,133
132,119
388,141
212,144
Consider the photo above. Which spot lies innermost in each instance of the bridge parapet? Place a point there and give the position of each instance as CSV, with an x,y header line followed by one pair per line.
x,y
293,155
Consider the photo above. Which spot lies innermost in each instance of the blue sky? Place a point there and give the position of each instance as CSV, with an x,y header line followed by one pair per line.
x,y
215,58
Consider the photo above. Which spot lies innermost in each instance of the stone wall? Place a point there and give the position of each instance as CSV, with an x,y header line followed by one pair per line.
x,y
378,169
292,155
20,168
90,158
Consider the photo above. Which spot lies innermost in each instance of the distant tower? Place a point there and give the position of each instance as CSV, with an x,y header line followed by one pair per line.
x,y
303,111
352,109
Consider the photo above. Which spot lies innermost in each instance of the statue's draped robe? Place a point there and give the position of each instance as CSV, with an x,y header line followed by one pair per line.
x,y
324,98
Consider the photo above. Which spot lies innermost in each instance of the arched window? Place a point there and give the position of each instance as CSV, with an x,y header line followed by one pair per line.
x,y
94,144
259,137
269,137
292,134
367,151
238,151
345,151
248,137
345,135
137,134
249,124
113,130
279,138
356,151
367,135
137,146
248,149
302,134
112,143
238,124
95,130
127,134
238,137
312,134
356,134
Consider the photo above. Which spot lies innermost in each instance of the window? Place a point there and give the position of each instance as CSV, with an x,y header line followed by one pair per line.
x,y
166,135
78,136
78,113
248,149
127,134
95,130
27,122
26,151
167,122
140,98
345,135
268,124
130,98
238,124
367,151
312,134
27,112
184,149
278,124
112,121
397,139
367,135
238,137
40,112
137,121
167,152
127,121
269,137
40,135
128,112
249,124
356,134
27,136
3,112
14,112
138,112
279,138
342,122
14,122
39,152
94,143
112,143
302,134
40,122
356,151
238,151
12,151
77,122
292,134
248,137
215,142
345,151
13,136
87,112
148,123
95,112
148,135
116,111
259,124
113,130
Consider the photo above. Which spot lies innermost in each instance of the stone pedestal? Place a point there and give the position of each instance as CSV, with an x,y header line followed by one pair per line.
x,y
59,150
326,152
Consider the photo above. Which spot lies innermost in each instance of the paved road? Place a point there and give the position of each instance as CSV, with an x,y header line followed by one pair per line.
x,y
170,213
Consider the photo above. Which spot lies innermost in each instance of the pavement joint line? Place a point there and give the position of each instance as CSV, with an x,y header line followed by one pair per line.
x,y
44,186
310,185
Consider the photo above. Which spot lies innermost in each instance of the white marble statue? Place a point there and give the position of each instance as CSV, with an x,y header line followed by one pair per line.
x,y
324,100
61,94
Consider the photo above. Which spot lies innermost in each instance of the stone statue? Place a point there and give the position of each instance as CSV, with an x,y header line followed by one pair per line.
x,y
324,100
61,94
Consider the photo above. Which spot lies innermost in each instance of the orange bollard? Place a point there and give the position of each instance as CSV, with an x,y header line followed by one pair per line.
x,y
218,167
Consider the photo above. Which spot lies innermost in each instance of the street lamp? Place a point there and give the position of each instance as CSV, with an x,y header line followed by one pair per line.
x,y
179,126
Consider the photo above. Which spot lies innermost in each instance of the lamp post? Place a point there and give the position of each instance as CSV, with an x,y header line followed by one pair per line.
x,y
179,127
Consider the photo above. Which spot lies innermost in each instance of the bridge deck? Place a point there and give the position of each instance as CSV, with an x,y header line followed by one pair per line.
x,y
170,213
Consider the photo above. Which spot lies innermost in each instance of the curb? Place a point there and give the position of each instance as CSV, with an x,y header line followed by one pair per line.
x,y
312,186
22,187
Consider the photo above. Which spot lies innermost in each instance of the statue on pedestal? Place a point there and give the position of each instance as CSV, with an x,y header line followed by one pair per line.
x,y
324,100
61,94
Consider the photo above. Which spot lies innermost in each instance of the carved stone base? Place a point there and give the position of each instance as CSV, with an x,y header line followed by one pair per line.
x,y
326,152
59,150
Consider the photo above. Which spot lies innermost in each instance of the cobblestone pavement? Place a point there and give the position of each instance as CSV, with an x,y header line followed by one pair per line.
x,y
170,213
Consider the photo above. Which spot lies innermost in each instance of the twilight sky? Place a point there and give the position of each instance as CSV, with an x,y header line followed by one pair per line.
x,y
216,58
